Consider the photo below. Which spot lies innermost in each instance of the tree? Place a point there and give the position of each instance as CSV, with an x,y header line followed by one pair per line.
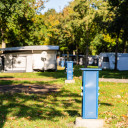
x,y
16,20
118,27
87,13
102,43
59,29
51,21
38,31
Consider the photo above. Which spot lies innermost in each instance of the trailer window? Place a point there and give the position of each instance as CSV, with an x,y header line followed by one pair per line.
x,y
105,59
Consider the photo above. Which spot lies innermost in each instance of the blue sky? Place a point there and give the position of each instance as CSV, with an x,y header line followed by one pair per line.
x,y
58,5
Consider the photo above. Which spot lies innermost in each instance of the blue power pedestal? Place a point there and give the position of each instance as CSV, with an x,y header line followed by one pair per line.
x,y
90,83
69,70
62,63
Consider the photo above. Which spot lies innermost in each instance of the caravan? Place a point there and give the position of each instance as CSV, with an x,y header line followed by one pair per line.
x,y
107,61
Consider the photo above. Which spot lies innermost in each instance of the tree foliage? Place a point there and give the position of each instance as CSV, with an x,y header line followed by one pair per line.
x,y
16,20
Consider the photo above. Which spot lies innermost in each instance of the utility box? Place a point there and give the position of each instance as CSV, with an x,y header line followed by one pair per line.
x,y
62,63
69,70
90,83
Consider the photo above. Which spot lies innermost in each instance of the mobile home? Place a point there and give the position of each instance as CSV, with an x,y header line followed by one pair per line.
x,y
29,58
107,61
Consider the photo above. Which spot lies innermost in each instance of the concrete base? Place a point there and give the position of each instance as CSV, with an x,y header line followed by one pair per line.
x,y
69,81
89,123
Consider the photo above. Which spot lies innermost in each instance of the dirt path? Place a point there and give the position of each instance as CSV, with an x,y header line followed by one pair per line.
x,y
29,79
29,89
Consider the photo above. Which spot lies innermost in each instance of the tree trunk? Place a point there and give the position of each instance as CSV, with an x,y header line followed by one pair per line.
x,y
87,45
3,42
116,52
86,56
77,55
124,47
67,55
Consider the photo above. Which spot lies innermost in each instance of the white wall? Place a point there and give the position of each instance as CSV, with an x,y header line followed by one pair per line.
x,y
37,62
49,63
18,61
122,63
29,61
29,65
8,62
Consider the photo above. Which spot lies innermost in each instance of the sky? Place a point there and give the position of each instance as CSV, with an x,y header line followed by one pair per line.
x,y
58,5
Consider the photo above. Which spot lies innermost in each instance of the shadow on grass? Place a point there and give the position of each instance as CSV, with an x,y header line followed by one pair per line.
x,y
113,74
6,77
29,89
103,73
106,104
58,74
62,73
34,105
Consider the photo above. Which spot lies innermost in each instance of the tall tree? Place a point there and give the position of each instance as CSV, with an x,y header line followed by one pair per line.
x,y
118,27
51,20
87,12
102,43
65,33
16,20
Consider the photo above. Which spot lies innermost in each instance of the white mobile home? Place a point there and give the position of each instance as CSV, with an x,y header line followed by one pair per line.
x,y
29,58
107,61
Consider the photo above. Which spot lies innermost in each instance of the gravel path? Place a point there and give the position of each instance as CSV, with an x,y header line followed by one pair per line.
x,y
51,79
113,80
110,80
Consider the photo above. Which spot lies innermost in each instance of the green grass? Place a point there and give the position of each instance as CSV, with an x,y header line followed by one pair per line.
x,y
49,110
33,75
60,74
113,102
59,109
114,74
103,73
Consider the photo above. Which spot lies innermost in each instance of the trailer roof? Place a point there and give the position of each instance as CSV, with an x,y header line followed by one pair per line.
x,y
108,54
24,48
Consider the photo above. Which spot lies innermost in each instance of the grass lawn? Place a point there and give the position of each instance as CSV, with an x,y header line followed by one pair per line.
x,y
104,73
59,108
61,74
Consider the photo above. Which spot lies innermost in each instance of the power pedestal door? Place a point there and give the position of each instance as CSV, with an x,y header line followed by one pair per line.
x,y
90,82
62,63
69,70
